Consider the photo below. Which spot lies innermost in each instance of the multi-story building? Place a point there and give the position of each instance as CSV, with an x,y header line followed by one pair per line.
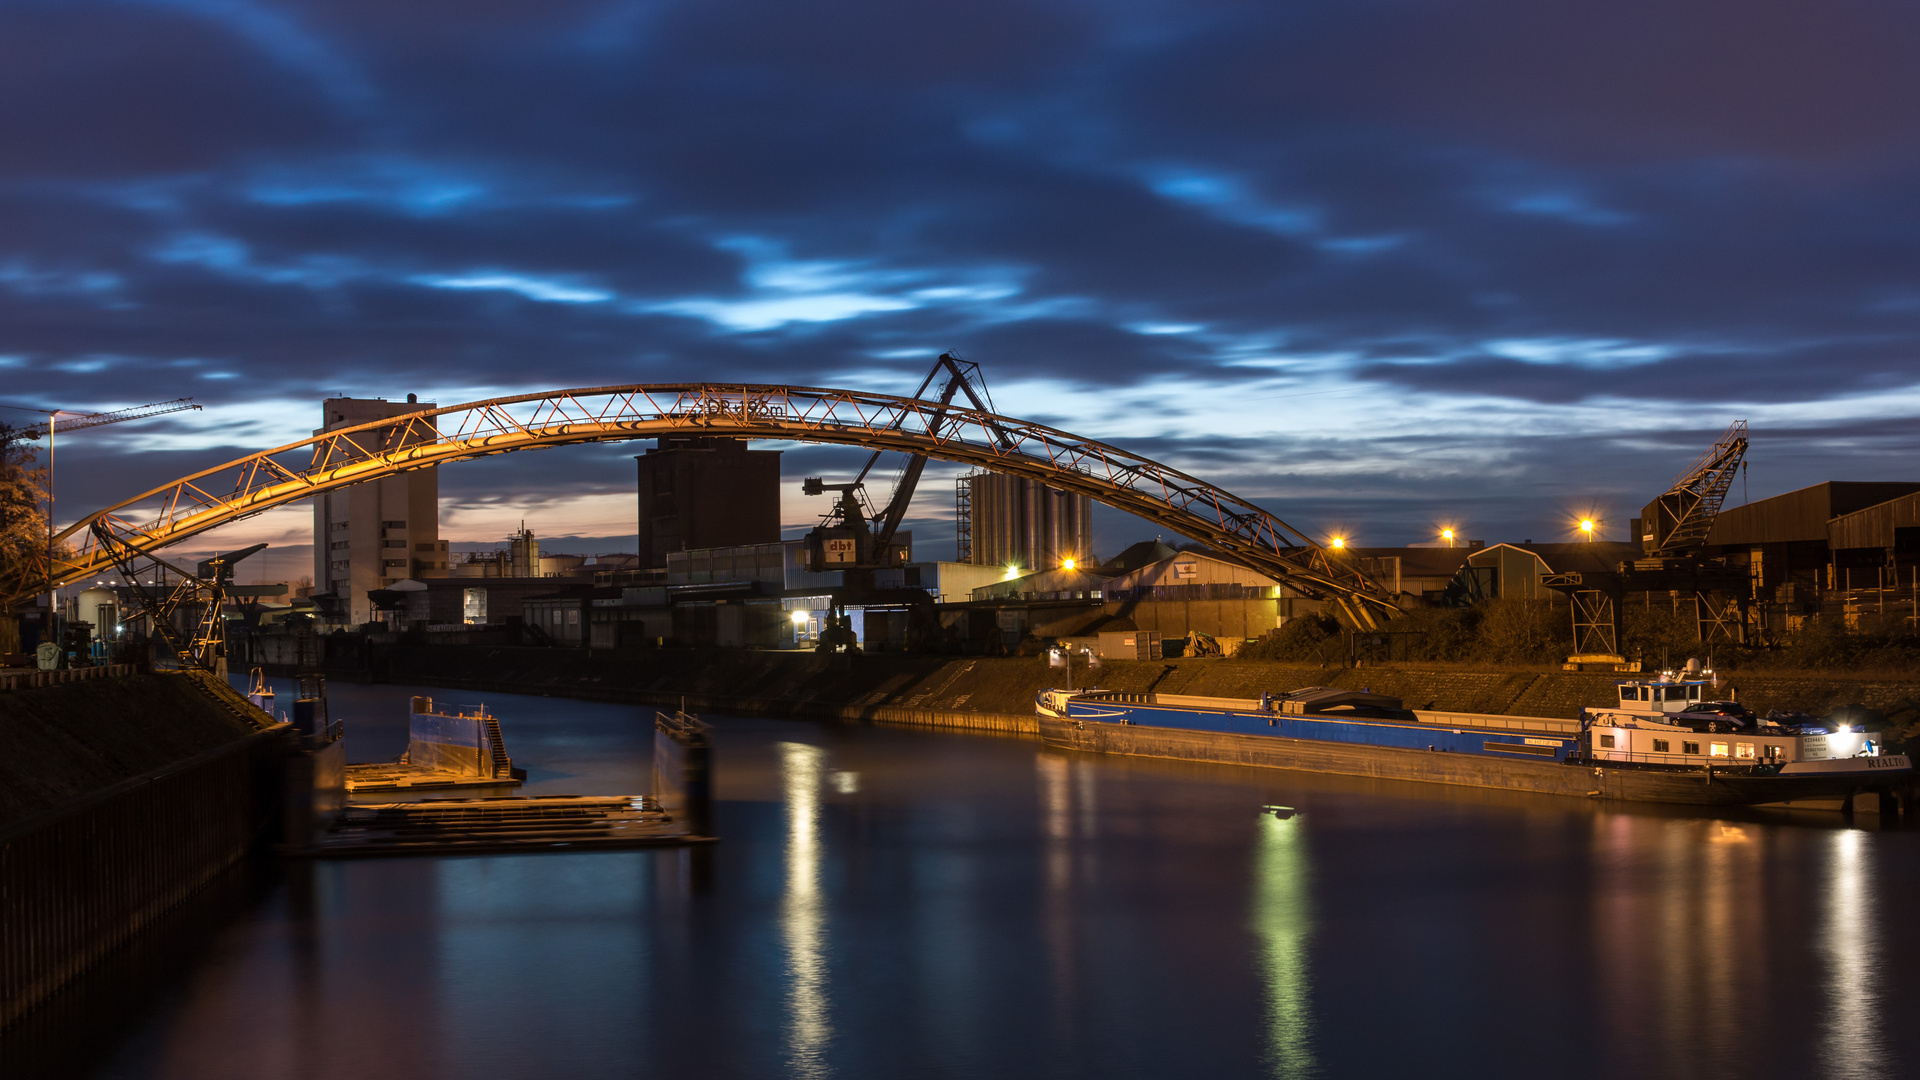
x,y
700,492
371,535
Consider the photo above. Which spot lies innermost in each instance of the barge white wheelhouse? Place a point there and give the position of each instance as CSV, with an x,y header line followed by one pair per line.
x,y
1660,722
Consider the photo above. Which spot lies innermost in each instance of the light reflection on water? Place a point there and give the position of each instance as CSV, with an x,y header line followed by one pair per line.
x,y
892,903
1283,922
1854,1047
803,924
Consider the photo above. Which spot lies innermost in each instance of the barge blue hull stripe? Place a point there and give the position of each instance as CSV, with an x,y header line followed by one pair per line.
x,y
1318,728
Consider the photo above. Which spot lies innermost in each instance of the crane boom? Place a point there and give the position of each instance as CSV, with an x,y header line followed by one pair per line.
x,y
120,416
1679,520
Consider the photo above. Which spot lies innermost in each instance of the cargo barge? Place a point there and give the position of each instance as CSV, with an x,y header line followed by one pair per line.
x,y
1661,741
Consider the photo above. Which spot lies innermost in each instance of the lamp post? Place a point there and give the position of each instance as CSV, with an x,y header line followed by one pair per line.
x,y
1586,527
1447,535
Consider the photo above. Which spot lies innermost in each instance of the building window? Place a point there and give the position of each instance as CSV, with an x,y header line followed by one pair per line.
x,y
393,524
1606,742
1660,746
473,605
339,545
1718,749
401,544
1744,750
573,616
1689,747
401,563
423,547
340,526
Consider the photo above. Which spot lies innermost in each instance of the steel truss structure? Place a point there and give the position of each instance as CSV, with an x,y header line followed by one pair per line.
x,y
968,436
1680,519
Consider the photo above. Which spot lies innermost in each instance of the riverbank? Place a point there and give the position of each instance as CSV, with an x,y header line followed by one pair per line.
x,y
995,695
119,797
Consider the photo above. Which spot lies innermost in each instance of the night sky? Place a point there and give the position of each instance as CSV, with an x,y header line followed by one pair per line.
x,y
1377,265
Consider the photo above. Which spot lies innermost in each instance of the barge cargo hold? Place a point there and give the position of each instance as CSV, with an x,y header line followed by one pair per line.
x,y
1360,734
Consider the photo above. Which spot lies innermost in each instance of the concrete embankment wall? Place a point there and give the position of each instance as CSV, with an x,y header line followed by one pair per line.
x,y
996,695
118,798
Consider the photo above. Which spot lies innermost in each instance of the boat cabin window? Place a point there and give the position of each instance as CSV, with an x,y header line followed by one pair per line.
x,y
1606,742
1743,750
1689,747
1718,749
1629,693
1660,746
1773,753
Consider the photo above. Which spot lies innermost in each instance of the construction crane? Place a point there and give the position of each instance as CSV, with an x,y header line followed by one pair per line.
x,y
1676,523
87,420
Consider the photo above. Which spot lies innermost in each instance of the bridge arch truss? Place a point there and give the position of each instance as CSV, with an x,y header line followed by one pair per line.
x,y
1118,478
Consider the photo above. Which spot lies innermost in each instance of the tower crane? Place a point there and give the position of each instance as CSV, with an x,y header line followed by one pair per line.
x,y
75,422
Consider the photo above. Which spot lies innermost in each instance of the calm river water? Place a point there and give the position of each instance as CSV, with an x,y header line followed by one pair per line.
x,y
901,904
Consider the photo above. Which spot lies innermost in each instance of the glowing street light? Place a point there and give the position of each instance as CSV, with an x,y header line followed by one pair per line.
x,y
1067,565
1586,526
1012,572
1447,535
1339,543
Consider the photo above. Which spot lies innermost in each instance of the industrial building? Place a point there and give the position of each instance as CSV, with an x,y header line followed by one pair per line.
x,y
1829,536
371,535
1513,571
698,492
1013,521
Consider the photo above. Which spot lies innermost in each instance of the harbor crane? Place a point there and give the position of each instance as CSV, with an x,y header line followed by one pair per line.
x,y
858,540
854,537
1676,523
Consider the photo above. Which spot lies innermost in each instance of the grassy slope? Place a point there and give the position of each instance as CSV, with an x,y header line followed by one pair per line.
x,y
59,742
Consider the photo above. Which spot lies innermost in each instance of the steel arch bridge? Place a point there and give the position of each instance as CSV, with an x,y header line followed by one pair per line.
x,y
336,459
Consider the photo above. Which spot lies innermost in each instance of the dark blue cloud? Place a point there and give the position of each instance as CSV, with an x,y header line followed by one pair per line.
x,y
1620,225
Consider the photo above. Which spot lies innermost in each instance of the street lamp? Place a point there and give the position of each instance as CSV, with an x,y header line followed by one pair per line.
x,y
1339,543
1067,564
1586,526
1447,535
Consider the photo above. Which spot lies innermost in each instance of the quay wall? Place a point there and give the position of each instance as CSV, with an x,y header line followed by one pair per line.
x,y
996,694
119,797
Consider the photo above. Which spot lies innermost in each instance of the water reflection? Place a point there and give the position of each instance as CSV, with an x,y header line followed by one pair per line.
x,y
802,914
1282,923
1056,816
1853,1035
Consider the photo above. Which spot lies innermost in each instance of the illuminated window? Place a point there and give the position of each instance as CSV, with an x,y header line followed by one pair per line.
x,y
1660,746
1689,747
1718,749
1743,750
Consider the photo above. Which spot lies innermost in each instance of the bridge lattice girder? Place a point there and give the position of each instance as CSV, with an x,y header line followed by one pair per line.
x,y
336,459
